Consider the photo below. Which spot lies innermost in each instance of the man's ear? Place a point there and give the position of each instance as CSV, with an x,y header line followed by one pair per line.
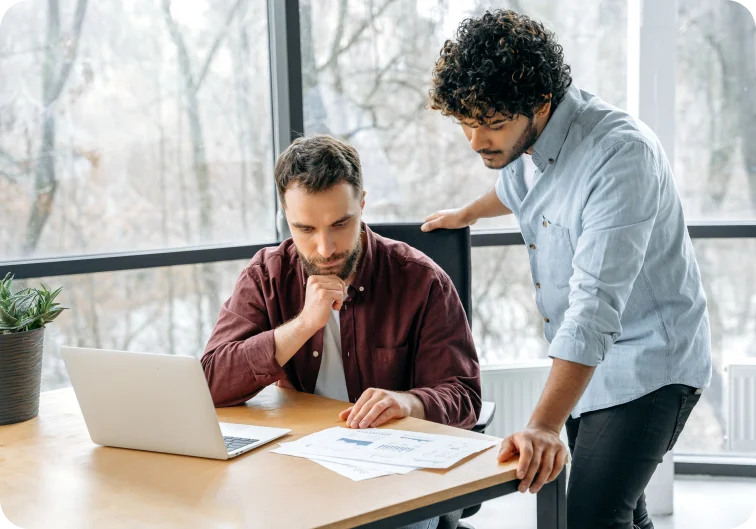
x,y
362,203
546,106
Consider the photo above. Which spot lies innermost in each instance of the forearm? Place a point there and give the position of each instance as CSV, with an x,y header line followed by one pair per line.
x,y
565,385
290,338
237,369
454,404
486,206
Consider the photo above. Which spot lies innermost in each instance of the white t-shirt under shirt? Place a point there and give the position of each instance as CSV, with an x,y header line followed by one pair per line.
x,y
531,172
331,381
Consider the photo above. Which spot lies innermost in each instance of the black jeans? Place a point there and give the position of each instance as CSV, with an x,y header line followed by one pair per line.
x,y
614,454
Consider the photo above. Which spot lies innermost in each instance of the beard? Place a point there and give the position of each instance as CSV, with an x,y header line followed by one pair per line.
x,y
315,266
524,142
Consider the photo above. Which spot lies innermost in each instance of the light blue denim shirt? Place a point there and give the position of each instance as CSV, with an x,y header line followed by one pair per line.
x,y
615,275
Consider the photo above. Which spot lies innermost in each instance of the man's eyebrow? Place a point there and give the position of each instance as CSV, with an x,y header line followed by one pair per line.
x,y
344,218
477,124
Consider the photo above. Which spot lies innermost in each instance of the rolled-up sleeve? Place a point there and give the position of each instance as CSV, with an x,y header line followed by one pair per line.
x,y
239,358
447,373
621,205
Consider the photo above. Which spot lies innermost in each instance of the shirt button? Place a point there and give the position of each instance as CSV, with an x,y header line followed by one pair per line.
x,y
538,285
546,320
362,289
545,224
532,247
315,354
551,160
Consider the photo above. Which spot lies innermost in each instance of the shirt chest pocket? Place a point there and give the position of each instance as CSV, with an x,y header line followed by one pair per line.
x,y
559,253
389,368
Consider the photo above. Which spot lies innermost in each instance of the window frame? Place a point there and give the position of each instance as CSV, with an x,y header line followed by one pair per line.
x,y
651,97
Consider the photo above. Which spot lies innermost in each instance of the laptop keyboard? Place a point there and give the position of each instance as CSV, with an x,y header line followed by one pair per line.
x,y
234,443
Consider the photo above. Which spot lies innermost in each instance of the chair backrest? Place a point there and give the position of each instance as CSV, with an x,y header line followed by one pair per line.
x,y
450,249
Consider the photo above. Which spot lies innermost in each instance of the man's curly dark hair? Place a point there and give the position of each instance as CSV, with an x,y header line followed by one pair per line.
x,y
502,62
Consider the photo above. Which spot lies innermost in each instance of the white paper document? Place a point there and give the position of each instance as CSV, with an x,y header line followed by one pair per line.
x,y
385,468
354,470
395,447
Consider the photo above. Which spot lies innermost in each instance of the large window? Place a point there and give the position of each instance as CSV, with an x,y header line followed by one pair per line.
x,y
134,124
507,326
366,73
155,310
145,126
715,111
729,276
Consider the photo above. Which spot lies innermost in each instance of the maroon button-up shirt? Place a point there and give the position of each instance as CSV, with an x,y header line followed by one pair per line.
x,y
403,328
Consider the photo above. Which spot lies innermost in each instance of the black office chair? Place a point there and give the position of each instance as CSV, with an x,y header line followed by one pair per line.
x,y
451,250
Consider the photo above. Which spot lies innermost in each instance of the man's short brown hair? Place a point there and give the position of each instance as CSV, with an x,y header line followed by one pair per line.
x,y
317,163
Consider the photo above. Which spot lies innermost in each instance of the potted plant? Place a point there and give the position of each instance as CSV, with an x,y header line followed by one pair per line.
x,y
23,316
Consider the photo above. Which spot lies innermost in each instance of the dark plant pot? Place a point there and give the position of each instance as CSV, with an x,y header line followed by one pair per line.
x,y
20,375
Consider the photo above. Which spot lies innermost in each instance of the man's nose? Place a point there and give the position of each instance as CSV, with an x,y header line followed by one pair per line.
x,y
479,139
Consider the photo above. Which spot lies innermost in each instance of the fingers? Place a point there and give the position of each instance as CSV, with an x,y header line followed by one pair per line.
x,y
381,405
432,225
366,395
525,447
559,462
508,450
535,464
331,289
384,417
337,304
344,414
433,216
334,296
543,473
365,409
328,282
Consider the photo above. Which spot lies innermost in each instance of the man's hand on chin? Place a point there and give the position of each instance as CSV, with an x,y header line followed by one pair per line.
x,y
378,406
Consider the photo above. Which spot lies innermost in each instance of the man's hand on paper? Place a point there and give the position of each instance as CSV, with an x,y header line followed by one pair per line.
x,y
542,456
378,406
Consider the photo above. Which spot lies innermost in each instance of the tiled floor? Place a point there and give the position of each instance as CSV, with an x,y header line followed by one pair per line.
x,y
700,503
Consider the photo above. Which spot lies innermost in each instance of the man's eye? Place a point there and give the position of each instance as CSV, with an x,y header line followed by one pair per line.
x,y
339,225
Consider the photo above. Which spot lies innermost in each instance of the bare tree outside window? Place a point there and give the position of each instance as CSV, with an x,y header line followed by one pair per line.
x,y
141,125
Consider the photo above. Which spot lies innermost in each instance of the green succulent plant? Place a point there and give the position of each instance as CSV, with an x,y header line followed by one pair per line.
x,y
27,309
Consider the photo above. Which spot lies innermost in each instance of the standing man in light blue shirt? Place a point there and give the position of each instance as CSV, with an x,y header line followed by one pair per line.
x,y
613,267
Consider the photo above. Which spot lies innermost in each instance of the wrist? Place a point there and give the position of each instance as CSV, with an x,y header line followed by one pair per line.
x,y
469,216
304,326
535,424
414,405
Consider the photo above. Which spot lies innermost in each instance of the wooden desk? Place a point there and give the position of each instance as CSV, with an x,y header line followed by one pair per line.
x,y
53,476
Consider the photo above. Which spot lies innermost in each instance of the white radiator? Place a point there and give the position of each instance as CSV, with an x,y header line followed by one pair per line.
x,y
741,407
515,388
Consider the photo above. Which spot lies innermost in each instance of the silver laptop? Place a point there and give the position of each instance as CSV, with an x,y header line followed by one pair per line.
x,y
154,402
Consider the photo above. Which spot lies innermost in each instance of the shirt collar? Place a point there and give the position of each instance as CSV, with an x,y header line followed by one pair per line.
x,y
367,262
549,143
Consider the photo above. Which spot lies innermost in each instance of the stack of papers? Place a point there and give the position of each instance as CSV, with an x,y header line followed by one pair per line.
x,y
371,453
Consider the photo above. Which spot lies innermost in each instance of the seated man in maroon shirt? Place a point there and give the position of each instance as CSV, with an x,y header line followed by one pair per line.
x,y
341,312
